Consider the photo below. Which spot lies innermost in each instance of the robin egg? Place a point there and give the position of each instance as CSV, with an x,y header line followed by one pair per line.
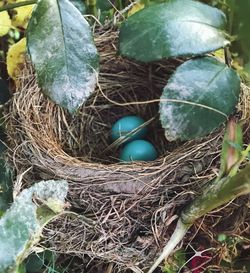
x,y
138,150
130,127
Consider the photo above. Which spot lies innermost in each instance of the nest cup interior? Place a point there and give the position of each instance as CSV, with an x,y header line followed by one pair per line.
x,y
124,88
93,141
127,211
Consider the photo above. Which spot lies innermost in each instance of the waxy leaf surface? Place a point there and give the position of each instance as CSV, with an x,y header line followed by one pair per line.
x,y
62,50
198,98
21,225
175,28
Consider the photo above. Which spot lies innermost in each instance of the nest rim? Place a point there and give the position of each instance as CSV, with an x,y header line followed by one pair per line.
x,y
151,184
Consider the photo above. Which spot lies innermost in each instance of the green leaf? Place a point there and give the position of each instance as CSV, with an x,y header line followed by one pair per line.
x,y
34,263
20,227
103,5
175,262
37,261
240,24
62,50
198,98
79,4
176,28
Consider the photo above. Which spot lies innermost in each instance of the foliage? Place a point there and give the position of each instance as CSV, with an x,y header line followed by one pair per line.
x,y
137,7
16,58
79,5
191,103
38,262
60,26
238,27
219,192
21,225
198,98
173,32
21,15
175,262
103,5
5,23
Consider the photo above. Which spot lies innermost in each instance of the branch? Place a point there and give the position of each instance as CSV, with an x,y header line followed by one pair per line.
x,y
17,5
218,193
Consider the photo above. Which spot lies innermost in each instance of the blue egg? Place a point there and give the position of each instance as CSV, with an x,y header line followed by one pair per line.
x,y
125,126
138,150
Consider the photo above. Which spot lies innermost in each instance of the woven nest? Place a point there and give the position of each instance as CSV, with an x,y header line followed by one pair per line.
x,y
125,213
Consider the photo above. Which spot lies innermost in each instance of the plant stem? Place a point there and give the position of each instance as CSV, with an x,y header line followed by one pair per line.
x,y
118,4
17,5
91,4
218,193
174,240
231,17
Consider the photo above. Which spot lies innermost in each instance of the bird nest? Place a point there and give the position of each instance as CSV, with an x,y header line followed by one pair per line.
x,y
124,212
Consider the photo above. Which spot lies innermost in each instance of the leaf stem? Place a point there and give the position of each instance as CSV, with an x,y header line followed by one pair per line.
x,y
179,233
218,193
92,9
17,5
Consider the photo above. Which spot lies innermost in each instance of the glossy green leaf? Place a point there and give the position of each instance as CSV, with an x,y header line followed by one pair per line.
x,y
198,98
21,225
238,14
175,28
62,50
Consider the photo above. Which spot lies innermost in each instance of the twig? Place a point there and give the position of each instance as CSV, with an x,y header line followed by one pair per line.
x,y
217,194
17,5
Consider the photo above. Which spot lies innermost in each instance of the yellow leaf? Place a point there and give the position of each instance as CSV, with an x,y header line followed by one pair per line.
x,y
5,23
135,8
16,58
21,16
237,64
220,53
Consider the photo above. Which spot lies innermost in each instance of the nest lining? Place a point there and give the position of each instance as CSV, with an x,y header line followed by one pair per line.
x,y
128,208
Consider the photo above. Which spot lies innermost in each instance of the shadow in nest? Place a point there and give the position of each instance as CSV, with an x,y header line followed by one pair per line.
x,y
125,211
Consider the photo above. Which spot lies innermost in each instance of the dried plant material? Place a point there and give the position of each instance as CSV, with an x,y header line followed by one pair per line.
x,y
127,211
